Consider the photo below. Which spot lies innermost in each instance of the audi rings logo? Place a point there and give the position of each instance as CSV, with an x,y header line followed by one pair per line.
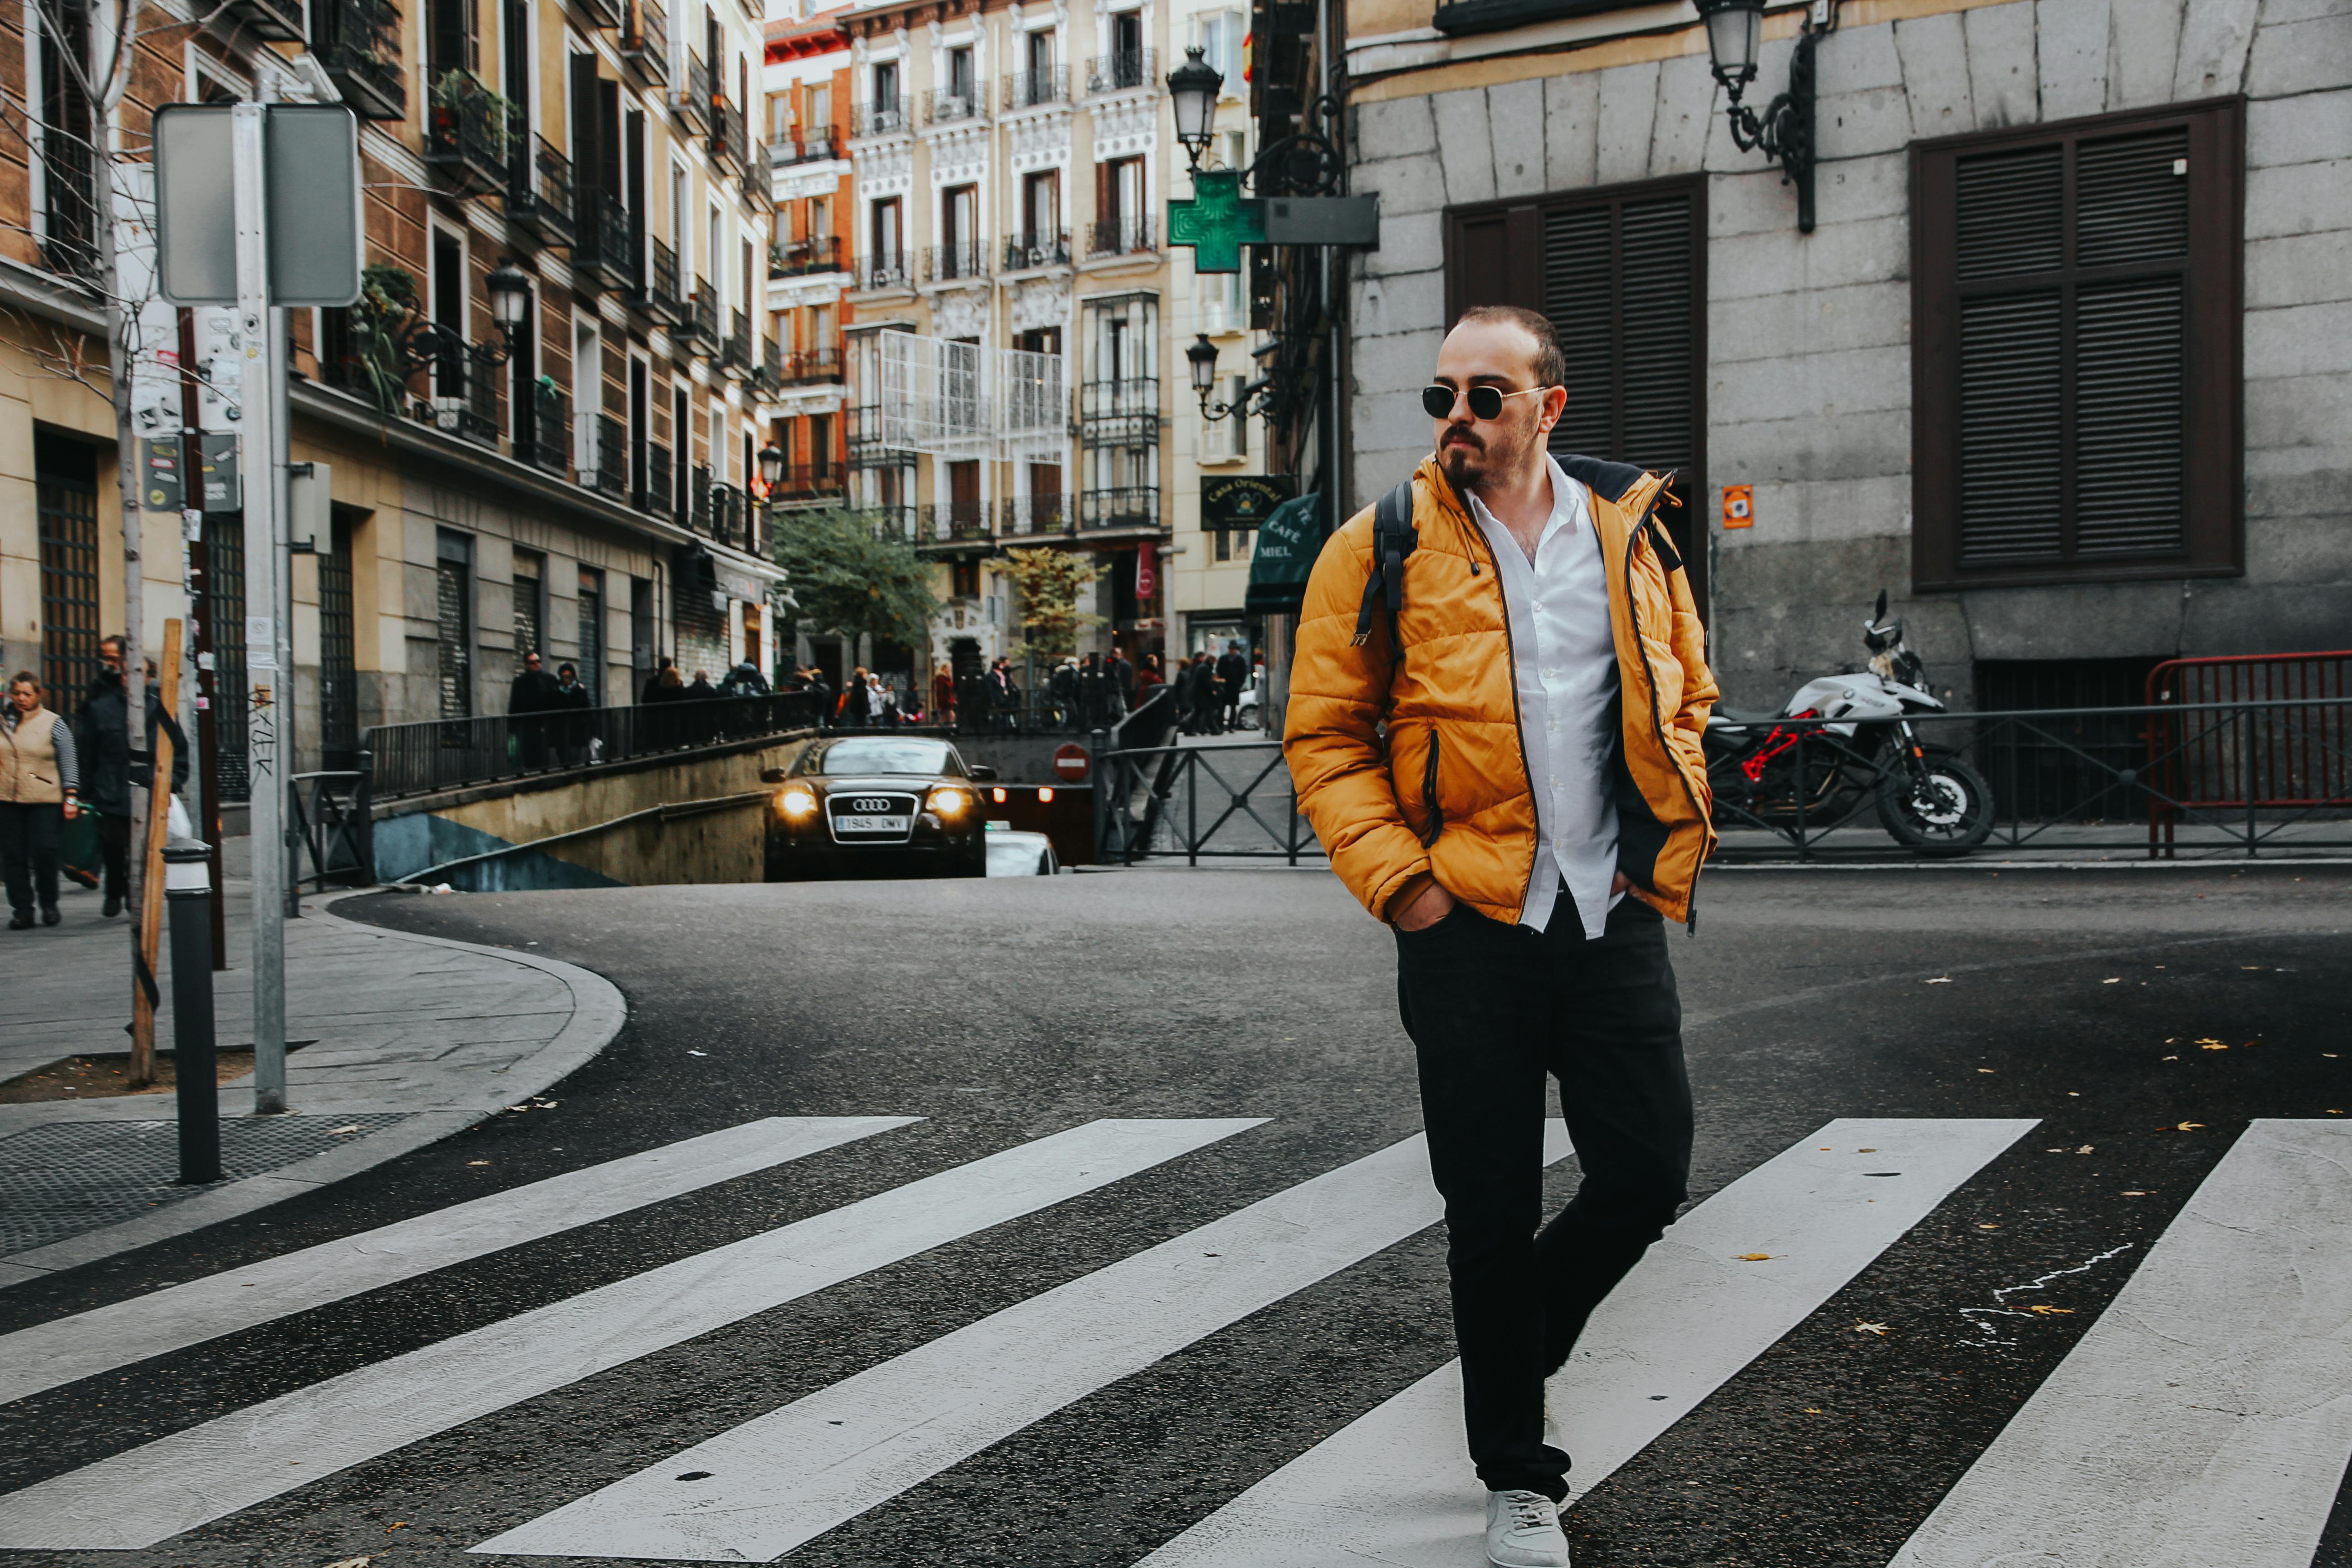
x,y
870,804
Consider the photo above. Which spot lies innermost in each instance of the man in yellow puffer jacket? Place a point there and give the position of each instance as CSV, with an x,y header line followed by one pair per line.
x,y
1506,767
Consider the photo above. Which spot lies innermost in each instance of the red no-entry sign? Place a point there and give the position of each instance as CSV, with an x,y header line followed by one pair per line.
x,y
1071,762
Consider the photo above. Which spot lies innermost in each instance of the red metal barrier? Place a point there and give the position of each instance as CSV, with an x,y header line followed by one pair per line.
x,y
2255,758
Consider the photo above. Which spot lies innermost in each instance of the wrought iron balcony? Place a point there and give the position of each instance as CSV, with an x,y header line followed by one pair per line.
x,y
697,488
956,523
463,398
280,21
735,353
768,375
1027,89
1122,237
730,133
701,320
1033,517
659,497
645,40
604,246
808,482
731,517
469,132
1126,68
603,12
817,147
1026,250
799,257
1123,413
950,263
661,297
603,454
538,191
1129,506
803,366
891,524
358,43
885,270
879,119
945,106
689,96
542,435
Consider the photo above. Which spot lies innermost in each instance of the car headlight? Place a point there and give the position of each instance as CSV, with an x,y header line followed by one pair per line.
x,y
950,802
796,801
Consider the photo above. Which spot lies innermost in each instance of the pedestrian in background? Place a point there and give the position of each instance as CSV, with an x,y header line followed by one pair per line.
x,y
1122,684
943,699
572,701
530,694
820,693
857,701
111,764
1233,675
40,792
660,685
1208,705
1527,809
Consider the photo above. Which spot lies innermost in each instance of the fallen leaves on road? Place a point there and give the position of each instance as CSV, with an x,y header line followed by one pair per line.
x,y
2083,1149
1755,1257
690,1051
1988,1069
2181,1126
2172,1058
355,1562
396,1524
2112,980
1988,1227
2045,1311
1939,980
478,1162
2213,1045
2134,1192
339,1132
1881,1329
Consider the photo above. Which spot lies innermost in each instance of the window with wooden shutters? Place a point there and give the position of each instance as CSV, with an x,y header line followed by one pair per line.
x,y
1621,274
2076,351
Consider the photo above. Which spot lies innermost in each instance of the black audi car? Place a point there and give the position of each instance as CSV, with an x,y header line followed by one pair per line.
x,y
876,805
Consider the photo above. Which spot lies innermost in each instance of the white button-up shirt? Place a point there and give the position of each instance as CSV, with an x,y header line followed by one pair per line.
x,y
1564,657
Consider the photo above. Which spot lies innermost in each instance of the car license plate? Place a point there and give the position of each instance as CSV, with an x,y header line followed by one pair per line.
x,y
869,825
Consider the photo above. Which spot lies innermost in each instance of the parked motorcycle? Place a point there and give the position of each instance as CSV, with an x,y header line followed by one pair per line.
x,y
1760,767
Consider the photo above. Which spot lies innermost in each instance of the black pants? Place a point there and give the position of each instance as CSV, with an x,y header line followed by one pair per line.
x,y
30,837
114,850
1493,1010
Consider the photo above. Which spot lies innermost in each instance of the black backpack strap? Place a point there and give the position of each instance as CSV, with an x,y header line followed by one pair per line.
x,y
1394,537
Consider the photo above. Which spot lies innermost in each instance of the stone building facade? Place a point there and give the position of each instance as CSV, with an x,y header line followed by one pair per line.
x,y
808,94
580,484
2064,364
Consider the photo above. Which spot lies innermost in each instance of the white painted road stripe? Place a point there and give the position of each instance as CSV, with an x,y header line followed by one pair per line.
x,y
1395,1487
151,1493
2207,1416
55,1353
785,1477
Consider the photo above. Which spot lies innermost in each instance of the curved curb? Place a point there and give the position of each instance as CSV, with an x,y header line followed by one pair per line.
x,y
598,1011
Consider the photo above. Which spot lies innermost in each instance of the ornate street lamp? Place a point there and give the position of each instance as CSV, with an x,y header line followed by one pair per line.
x,y
1735,31
1194,84
1202,358
771,465
510,297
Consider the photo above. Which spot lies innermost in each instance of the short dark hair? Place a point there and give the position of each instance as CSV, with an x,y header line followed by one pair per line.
x,y
1550,366
562,667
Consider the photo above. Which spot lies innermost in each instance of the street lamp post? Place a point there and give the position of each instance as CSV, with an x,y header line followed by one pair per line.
x,y
1735,31
1194,86
1203,359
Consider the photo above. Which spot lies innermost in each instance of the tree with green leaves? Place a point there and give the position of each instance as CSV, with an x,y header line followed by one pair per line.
x,y
1049,581
851,581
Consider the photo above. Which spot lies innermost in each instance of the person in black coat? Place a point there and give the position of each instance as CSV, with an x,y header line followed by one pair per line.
x,y
661,685
1062,691
1122,684
1208,704
1232,676
529,695
110,768
576,702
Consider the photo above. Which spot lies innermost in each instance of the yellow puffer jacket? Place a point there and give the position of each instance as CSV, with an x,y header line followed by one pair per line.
x,y
1413,767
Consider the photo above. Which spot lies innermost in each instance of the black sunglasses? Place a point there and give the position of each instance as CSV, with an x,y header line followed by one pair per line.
x,y
1485,402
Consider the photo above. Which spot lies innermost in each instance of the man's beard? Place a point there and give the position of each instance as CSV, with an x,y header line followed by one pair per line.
x,y
1470,461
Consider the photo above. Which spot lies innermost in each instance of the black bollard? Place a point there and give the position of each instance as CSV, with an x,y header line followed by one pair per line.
x,y
187,891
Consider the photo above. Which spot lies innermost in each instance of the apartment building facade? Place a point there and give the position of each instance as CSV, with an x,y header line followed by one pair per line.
x,y
2062,363
1012,292
577,481
808,98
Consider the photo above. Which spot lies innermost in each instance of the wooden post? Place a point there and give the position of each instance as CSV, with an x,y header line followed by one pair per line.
x,y
159,817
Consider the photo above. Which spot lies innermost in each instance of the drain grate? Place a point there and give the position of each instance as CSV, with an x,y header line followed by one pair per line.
x,y
71,1176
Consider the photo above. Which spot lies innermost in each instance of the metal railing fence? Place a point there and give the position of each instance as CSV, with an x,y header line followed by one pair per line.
x,y
2237,778
452,754
334,820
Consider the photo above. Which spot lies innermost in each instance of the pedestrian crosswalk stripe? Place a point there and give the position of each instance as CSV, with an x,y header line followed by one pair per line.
x,y
2207,1416
151,1493
51,1354
787,1476
1396,1488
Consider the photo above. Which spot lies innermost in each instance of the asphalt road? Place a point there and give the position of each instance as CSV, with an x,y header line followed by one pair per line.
x,y
1003,1012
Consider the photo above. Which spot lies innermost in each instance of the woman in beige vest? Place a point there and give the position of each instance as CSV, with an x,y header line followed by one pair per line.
x,y
39,793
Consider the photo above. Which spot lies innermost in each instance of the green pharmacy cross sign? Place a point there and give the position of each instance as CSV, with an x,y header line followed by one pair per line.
x,y
1217,222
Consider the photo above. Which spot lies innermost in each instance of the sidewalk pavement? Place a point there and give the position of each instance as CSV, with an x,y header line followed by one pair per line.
x,y
413,1038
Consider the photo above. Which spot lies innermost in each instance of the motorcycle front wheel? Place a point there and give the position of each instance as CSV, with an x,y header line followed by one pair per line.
x,y
1949,811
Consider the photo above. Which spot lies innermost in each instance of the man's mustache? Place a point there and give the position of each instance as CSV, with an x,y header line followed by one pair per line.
x,y
1463,434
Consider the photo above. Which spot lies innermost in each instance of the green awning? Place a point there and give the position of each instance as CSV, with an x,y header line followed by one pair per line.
x,y
1288,544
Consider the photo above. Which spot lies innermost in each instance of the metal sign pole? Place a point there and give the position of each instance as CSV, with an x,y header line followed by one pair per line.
x,y
262,362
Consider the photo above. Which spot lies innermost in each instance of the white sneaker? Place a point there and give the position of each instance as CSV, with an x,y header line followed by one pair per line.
x,y
1523,1531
